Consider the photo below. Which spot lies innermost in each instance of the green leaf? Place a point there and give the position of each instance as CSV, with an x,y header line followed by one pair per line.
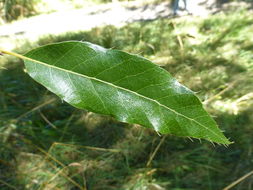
x,y
128,87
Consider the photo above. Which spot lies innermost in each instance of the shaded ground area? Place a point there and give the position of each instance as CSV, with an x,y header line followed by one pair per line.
x,y
47,144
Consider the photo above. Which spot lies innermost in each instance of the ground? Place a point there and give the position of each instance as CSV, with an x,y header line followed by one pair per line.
x,y
116,14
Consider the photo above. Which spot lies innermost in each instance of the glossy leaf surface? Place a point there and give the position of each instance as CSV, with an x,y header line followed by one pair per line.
x,y
128,87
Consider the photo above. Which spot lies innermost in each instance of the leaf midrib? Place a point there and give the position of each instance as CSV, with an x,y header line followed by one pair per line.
x,y
119,87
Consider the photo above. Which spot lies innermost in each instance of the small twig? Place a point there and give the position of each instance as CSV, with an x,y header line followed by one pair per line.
x,y
47,121
238,180
55,160
156,149
36,108
87,147
179,39
220,93
61,172
8,185
64,130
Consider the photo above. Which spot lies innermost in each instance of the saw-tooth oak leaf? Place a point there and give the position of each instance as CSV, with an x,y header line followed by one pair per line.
x,y
128,87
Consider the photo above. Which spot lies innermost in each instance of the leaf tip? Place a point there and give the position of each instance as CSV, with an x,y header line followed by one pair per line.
x,y
225,142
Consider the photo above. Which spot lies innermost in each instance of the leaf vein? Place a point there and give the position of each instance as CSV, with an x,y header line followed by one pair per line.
x,y
124,89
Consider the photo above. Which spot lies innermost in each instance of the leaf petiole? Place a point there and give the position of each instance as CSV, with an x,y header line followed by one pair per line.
x,y
2,52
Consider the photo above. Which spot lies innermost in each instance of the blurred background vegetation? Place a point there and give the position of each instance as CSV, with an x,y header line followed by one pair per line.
x,y
16,9
48,145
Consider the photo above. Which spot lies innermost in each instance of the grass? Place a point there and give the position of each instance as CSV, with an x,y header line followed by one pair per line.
x,y
47,144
